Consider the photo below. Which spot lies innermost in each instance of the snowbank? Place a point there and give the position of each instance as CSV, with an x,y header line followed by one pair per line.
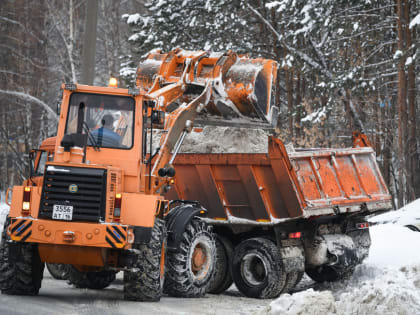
x,y
393,246
404,216
387,283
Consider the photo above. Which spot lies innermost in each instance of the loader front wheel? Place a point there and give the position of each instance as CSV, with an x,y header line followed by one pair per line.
x,y
21,272
257,268
190,267
96,280
144,281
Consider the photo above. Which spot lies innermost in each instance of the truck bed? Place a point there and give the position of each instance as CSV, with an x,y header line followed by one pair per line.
x,y
271,188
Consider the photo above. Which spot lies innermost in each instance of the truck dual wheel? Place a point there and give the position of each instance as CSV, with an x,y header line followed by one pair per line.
x,y
21,274
58,271
144,281
95,280
222,279
189,269
257,268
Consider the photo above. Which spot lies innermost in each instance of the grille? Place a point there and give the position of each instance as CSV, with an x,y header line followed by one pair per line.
x,y
89,200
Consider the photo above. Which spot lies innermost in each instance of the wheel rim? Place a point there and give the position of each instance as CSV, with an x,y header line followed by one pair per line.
x,y
253,269
200,258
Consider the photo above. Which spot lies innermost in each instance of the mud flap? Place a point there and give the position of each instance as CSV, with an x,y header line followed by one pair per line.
x,y
331,249
293,258
341,250
361,239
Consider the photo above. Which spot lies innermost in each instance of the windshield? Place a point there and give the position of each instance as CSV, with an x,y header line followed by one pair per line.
x,y
109,118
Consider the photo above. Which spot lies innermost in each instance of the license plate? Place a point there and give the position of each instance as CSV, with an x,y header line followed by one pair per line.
x,y
62,212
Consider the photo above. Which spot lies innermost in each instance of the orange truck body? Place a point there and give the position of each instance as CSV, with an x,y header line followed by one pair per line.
x,y
270,188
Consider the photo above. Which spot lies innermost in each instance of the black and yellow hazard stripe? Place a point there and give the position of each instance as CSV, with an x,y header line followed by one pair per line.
x,y
116,236
20,229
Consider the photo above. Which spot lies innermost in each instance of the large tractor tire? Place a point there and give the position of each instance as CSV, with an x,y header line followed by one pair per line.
x,y
96,280
144,282
58,271
190,267
21,274
257,269
222,279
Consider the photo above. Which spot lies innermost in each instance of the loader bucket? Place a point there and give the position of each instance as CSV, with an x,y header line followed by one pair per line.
x,y
243,88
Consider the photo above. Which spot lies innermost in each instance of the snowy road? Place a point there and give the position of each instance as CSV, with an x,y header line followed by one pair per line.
x,y
57,297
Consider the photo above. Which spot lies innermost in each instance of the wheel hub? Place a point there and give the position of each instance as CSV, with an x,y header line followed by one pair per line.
x,y
253,269
198,259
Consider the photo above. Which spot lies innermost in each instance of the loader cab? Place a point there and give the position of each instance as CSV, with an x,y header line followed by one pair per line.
x,y
101,127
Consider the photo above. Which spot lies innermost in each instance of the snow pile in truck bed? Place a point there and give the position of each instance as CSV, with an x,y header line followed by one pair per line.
x,y
387,283
226,140
223,140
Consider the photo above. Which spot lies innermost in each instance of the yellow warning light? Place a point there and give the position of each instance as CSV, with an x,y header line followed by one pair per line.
x,y
118,196
27,188
172,181
113,82
26,205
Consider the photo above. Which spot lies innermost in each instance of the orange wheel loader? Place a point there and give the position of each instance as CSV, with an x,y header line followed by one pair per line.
x,y
95,201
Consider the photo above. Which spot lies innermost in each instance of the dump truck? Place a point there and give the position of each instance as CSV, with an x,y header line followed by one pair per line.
x,y
279,214
97,204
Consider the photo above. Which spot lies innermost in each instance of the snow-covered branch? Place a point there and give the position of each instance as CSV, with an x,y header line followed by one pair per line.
x,y
31,99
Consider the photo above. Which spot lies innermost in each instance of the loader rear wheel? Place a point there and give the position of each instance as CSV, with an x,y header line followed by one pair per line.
x,y
190,267
222,278
58,271
144,281
96,280
257,268
21,274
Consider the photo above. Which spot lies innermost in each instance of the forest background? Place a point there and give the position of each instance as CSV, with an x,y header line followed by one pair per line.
x,y
344,66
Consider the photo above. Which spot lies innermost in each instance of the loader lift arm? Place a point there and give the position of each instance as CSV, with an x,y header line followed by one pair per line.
x,y
219,84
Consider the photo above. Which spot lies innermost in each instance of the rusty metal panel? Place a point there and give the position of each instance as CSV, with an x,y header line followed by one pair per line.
x,y
270,192
246,188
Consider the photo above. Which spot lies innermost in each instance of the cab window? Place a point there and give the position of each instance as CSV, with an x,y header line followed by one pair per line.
x,y
109,119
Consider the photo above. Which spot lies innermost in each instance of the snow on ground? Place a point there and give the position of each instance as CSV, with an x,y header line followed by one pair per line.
x,y
387,283
407,215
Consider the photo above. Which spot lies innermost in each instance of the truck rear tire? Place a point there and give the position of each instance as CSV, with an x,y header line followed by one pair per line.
x,y
222,279
58,271
257,269
21,274
96,280
190,267
144,282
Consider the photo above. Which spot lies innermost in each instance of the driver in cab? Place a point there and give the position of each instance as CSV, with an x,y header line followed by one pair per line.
x,y
105,136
